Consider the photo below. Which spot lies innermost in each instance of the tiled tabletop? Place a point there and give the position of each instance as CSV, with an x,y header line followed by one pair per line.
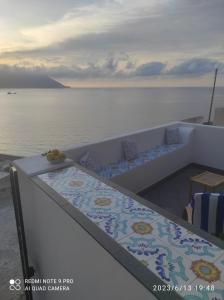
x,y
177,256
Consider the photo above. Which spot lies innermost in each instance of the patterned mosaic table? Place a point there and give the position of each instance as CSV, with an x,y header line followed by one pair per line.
x,y
176,255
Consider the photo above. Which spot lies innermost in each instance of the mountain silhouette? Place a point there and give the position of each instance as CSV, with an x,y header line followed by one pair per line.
x,y
19,79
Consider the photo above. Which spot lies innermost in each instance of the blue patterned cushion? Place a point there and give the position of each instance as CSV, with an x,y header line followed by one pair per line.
x,y
122,166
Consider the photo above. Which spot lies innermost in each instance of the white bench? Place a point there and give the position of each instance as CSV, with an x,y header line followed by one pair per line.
x,y
137,175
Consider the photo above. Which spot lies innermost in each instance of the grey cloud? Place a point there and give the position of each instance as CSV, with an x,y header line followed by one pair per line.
x,y
38,12
111,69
195,67
91,70
150,69
187,27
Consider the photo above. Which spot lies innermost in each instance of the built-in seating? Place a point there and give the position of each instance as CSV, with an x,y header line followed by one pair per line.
x,y
123,166
155,158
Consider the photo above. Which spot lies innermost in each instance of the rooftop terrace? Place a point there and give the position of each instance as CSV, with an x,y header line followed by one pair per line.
x,y
97,225
172,193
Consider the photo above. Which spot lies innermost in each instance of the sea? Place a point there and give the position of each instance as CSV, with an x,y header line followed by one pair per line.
x,y
33,121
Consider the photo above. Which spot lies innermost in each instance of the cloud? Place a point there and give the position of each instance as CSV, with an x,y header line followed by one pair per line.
x,y
173,29
113,39
91,18
195,67
90,70
150,69
112,67
120,67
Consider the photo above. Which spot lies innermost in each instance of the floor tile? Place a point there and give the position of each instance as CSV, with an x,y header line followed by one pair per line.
x,y
116,226
220,265
173,253
136,210
196,247
184,241
121,224
168,265
99,205
73,181
169,231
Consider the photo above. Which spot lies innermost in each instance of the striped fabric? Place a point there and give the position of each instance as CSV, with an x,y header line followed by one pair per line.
x,y
208,212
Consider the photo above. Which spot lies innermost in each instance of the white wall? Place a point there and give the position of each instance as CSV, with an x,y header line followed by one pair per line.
x,y
143,176
153,171
58,247
109,150
208,146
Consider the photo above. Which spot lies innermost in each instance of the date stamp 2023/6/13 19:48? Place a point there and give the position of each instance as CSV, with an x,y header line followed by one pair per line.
x,y
189,288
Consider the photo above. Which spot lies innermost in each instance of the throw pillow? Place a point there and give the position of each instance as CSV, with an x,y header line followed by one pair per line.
x,y
172,136
87,161
129,149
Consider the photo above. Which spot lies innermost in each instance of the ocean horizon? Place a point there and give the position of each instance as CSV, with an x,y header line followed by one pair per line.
x,y
35,120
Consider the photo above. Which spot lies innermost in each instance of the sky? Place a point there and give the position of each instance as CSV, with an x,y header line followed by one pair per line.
x,y
99,43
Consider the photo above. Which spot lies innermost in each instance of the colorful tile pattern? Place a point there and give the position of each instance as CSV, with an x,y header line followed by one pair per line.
x,y
174,254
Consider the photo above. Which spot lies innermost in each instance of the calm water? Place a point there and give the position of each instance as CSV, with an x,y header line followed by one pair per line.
x,y
33,121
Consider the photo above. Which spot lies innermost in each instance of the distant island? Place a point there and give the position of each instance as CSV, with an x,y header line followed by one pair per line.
x,y
22,80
